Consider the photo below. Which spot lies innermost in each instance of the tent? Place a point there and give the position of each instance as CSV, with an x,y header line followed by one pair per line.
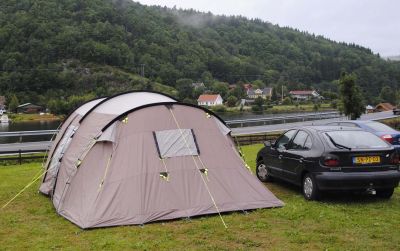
x,y
140,157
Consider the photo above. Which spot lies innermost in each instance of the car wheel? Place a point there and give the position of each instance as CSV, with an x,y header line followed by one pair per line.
x,y
385,193
309,187
262,172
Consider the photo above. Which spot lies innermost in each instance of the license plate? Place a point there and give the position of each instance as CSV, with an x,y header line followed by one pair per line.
x,y
367,160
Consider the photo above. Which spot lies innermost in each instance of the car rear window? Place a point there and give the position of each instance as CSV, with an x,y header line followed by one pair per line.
x,y
355,139
379,127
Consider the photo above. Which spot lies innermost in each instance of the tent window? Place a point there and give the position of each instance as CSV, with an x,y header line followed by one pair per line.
x,y
175,143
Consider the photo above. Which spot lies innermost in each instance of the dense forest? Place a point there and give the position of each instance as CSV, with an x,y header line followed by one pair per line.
x,y
56,52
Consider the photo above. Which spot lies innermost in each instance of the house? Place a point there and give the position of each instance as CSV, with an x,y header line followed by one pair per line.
x,y
381,107
305,95
210,100
369,109
29,108
232,86
263,93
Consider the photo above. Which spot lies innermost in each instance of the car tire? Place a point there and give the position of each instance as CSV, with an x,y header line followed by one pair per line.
x,y
309,187
385,193
262,172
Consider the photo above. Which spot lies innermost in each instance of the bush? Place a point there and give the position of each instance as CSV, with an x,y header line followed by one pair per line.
x,y
256,108
219,108
231,101
287,101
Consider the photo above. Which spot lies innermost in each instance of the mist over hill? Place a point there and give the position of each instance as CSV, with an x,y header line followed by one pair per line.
x,y
393,58
53,50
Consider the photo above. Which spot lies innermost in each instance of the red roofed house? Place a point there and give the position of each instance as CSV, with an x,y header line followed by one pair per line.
x,y
304,95
210,99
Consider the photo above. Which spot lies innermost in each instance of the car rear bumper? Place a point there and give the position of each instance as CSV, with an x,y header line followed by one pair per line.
x,y
357,180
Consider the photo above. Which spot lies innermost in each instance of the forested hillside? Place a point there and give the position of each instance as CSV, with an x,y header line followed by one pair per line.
x,y
54,51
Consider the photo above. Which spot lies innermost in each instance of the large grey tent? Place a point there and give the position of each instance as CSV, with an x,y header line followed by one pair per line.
x,y
139,157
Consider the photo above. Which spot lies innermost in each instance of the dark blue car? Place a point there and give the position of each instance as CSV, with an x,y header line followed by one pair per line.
x,y
385,132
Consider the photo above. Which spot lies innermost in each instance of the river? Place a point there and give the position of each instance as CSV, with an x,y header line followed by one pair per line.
x,y
28,126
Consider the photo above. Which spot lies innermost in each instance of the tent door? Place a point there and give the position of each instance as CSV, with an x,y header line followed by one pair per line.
x,y
55,162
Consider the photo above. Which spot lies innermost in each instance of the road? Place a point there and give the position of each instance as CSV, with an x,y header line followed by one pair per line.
x,y
26,146
283,127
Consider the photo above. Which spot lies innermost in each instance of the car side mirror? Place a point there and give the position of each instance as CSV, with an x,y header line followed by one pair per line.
x,y
269,143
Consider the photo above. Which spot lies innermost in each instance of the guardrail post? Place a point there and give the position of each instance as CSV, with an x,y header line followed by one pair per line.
x,y
20,157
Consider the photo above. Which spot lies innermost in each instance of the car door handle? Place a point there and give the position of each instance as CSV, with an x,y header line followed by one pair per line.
x,y
280,156
301,160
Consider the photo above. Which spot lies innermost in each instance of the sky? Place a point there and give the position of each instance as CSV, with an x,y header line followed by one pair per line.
x,y
374,24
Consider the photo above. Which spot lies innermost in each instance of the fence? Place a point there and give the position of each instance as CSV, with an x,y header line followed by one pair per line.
x,y
255,139
282,119
24,150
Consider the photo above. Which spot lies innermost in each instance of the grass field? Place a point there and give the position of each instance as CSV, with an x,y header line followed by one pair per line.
x,y
32,117
338,222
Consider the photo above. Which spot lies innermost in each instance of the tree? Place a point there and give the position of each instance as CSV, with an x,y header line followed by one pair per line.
x,y
14,103
231,101
258,104
220,88
185,89
287,101
351,99
388,95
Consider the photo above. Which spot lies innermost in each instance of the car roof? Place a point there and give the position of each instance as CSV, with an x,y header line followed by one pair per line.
x,y
329,128
354,121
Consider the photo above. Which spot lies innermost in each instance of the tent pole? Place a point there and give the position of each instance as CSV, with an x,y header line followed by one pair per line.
x,y
194,160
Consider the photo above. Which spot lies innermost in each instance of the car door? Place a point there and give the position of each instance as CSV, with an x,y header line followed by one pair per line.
x,y
275,153
295,155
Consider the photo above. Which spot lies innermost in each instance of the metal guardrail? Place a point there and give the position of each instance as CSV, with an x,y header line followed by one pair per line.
x,y
301,117
18,151
255,138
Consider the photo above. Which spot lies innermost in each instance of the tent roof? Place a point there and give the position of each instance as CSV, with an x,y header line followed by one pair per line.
x,y
120,103
165,104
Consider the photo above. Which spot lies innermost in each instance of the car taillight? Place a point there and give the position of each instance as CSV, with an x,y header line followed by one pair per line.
x,y
388,138
329,161
395,159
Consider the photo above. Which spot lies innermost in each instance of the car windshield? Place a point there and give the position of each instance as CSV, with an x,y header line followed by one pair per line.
x,y
379,127
355,139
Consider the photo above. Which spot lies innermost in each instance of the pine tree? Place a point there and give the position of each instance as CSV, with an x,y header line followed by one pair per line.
x,y
14,103
351,99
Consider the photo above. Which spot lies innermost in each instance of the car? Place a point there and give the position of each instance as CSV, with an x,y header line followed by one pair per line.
x,y
383,131
330,158
396,111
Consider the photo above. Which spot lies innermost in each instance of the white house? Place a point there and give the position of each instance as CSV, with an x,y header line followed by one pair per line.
x,y
304,95
210,99
263,93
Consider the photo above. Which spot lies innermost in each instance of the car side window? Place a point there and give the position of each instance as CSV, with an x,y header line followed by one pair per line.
x,y
284,139
299,141
308,143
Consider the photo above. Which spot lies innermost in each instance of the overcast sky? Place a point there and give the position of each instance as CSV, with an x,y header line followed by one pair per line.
x,y
371,23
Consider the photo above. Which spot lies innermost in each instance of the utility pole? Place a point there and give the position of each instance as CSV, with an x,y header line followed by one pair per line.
x,y
142,70
282,94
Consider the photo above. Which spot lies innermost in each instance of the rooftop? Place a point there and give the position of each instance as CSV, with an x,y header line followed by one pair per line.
x,y
208,97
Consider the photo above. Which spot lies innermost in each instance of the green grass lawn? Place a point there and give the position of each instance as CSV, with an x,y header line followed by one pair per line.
x,y
337,222
32,117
